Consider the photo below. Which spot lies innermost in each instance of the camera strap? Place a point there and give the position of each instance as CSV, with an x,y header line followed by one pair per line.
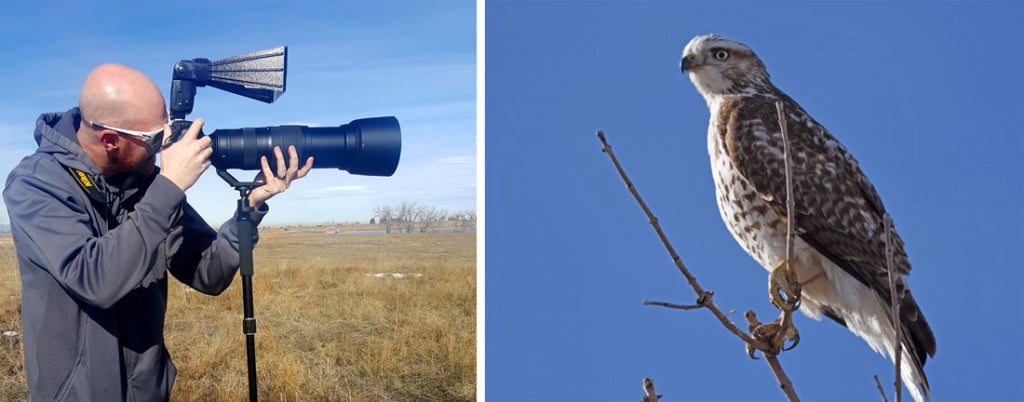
x,y
87,184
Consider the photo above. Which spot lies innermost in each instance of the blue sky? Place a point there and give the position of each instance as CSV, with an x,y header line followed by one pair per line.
x,y
925,95
346,60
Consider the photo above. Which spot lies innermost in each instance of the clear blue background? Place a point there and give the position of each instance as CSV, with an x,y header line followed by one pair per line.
x,y
927,96
346,60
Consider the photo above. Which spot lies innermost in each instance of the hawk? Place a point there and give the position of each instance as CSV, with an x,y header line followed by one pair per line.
x,y
839,240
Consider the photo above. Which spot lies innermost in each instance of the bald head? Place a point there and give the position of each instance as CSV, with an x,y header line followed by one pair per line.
x,y
121,96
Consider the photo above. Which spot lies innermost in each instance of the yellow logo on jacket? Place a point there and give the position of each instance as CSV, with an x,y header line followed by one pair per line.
x,y
83,178
87,184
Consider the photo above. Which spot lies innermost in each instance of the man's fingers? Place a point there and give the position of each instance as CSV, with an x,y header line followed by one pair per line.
x,y
194,129
293,160
205,143
206,151
265,167
282,170
306,168
280,182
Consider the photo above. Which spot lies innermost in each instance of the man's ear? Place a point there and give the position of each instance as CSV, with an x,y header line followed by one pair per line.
x,y
110,140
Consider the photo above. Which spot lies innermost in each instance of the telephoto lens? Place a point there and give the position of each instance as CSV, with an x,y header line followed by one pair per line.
x,y
369,147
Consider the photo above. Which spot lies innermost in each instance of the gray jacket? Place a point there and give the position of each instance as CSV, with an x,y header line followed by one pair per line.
x,y
94,253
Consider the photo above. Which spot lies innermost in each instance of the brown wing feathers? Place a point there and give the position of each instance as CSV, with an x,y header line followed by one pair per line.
x,y
839,211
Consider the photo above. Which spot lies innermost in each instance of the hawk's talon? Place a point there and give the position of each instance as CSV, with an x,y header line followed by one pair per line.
x,y
765,334
752,325
791,335
750,352
794,337
779,280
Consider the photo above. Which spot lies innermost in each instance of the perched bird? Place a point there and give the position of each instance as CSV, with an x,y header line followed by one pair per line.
x,y
649,394
839,242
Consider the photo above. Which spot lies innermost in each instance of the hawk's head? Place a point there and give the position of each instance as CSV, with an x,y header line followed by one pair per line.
x,y
720,66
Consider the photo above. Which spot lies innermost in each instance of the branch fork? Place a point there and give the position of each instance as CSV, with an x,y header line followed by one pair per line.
x,y
705,298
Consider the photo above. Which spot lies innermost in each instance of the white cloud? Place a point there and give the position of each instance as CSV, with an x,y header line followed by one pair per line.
x,y
342,190
458,160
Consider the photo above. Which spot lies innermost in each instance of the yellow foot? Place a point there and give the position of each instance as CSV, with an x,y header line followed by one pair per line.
x,y
752,325
766,334
779,280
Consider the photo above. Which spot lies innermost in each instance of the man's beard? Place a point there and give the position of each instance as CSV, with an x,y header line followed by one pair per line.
x,y
131,162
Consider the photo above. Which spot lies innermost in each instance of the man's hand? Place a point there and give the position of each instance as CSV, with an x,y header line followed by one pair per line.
x,y
277,182
186,159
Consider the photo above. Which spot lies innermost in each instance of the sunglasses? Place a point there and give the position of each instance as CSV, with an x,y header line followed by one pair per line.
x,y
154,139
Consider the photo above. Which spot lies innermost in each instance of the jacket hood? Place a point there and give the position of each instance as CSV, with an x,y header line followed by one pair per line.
x,y
56,136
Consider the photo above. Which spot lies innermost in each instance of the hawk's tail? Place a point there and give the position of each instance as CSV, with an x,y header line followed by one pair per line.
x,y
867,314
918,344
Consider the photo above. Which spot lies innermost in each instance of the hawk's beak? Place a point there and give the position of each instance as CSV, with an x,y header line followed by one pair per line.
x,y
686,64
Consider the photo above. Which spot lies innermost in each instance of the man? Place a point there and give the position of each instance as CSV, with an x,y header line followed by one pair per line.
x,y
97,227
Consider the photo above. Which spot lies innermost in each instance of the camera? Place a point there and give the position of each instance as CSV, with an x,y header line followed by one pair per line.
x,y
368,146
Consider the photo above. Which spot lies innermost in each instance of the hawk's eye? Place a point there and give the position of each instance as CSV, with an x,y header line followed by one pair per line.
x,y
721,54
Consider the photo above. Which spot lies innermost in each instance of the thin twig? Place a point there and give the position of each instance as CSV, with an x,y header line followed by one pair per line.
x,y
790,203
880,389
786,319
703,297
894,297
673,305
787,315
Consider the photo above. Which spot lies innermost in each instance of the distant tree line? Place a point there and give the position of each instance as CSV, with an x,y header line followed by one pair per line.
x,y
410,216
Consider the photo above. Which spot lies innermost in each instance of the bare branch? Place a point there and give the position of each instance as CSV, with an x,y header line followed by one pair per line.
x,y
781,377
763,332
786,319
703,297
880,389
673,305
668,246
790,203
894,297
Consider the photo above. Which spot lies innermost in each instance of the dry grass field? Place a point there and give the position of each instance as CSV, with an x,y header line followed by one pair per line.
x,y
328,328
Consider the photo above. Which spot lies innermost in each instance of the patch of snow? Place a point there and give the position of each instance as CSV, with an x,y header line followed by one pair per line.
x,y
396,275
